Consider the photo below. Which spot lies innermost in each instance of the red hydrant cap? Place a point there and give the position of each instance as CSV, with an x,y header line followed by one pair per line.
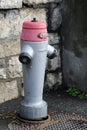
x,y
34,25
34,31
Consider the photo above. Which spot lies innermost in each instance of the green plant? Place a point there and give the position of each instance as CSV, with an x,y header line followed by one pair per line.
x,y
76,92
83,96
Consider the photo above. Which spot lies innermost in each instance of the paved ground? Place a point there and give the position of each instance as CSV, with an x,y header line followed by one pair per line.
x,y
56,101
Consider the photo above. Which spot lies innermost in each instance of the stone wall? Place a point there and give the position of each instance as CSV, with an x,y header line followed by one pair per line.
x,y
12,15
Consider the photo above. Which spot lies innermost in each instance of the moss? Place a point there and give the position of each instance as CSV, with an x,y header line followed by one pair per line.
x,y
76,93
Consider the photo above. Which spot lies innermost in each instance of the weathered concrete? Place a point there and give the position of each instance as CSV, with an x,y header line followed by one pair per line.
x,y
74,30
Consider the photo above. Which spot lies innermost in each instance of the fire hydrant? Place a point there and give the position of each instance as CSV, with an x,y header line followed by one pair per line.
x,y
34,50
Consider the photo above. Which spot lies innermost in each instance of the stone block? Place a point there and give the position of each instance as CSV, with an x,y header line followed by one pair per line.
x,y
55,19
11,47
2,87
14,69
59,78
2,53
55,1
2,63
9,4
29,14
53,81
53,38
1,15
32,2
12,23
11,90
54,64
8,91
2,73
4,28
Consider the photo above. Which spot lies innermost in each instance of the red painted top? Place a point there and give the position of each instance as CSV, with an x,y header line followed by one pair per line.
x,y
34,31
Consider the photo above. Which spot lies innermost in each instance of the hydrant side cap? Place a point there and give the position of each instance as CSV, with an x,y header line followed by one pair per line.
x,y
33,25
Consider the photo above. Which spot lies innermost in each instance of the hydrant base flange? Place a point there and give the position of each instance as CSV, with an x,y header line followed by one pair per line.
x,y
31,112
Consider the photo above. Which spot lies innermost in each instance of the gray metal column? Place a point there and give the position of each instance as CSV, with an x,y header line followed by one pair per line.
x,y
33,106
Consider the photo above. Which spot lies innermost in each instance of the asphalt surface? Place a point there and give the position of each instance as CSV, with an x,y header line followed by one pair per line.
x,y
57,101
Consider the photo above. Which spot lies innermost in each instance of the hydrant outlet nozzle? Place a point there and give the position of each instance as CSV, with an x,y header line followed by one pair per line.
x,y
53,55
25,58
52,52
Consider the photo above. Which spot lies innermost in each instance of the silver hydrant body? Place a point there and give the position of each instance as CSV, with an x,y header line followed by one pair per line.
x,y
34,50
